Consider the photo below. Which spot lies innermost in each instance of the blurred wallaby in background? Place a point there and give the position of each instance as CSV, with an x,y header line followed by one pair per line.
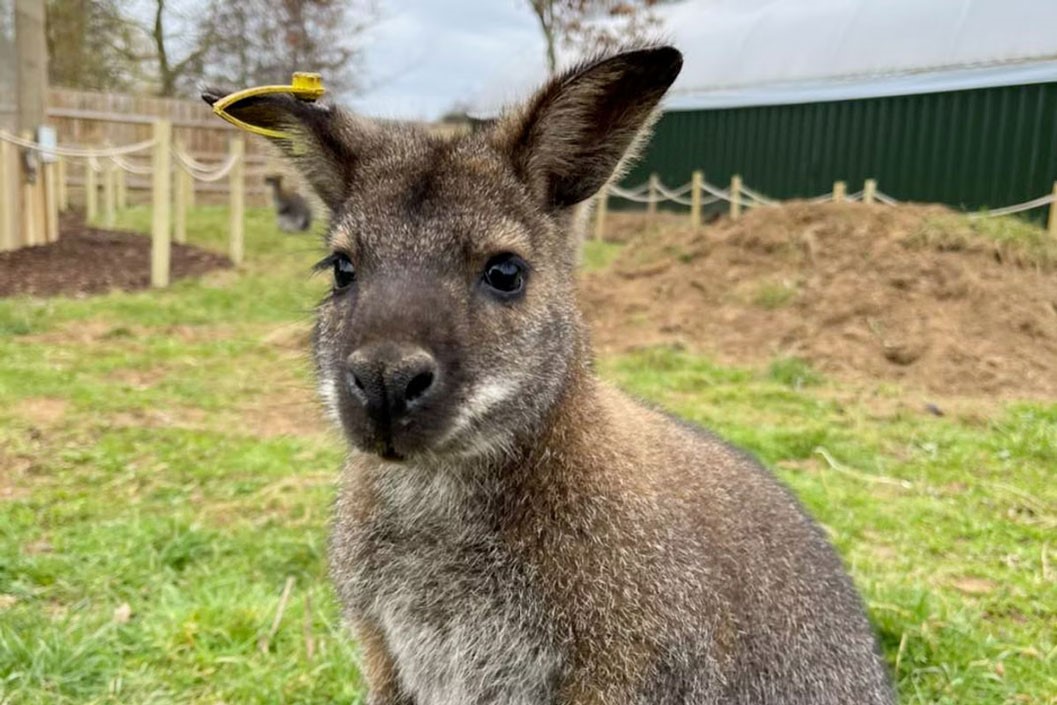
x,y
292,212
511,530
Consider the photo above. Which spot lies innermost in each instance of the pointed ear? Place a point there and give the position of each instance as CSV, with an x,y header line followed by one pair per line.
x,y
322,142
572,136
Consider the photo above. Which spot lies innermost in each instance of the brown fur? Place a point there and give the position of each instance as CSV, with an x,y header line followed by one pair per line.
x,y
522,533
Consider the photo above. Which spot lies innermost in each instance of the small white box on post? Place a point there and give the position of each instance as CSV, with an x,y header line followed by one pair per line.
x,y
735,197
237,185
869,191
161,198
697,181
840,191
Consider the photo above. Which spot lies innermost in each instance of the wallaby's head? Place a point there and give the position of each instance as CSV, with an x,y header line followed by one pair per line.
x,y
452,328
274,180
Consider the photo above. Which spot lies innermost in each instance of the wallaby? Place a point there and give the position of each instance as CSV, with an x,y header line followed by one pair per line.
x,y
291,209
510,530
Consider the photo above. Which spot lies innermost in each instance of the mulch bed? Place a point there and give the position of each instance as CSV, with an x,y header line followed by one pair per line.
x,y
91,261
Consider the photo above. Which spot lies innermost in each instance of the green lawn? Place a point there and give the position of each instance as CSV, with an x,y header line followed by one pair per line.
x,y
164,473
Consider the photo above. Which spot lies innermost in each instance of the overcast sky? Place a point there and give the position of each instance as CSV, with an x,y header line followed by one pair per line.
x,y
425,55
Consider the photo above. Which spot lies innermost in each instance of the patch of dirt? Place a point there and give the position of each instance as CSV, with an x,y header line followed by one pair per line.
x,y
42,411
295,412
973,586
92,261
12,471
849,288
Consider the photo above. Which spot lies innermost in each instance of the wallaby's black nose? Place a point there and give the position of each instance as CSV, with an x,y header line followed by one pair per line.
x,y
390,380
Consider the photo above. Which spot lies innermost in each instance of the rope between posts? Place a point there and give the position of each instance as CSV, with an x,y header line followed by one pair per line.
x,y
753,199
132,168
720,194
639,190
673,195
203,172
757,196
77,152
1016,208
629,195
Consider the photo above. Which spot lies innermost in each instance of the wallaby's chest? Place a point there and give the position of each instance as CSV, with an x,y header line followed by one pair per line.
x,y
458,611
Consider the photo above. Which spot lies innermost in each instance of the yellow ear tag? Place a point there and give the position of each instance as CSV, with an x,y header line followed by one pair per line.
x,y
303,86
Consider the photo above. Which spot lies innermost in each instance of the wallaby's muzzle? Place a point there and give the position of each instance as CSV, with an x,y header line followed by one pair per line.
x,y
391,383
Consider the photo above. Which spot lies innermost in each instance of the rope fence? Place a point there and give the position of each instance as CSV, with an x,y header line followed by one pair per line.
x,y
739,196
172,172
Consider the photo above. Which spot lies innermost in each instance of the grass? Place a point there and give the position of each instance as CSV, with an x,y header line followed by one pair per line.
x,y
161,450
1010,238
774,295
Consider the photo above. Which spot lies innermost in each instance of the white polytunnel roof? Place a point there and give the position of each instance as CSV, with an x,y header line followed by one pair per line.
x,y
774,52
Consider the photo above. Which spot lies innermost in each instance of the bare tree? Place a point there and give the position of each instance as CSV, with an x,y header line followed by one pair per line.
x,y
593,25
89,45
264,41
172,71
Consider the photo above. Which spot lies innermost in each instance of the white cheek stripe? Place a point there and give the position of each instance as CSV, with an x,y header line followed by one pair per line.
x,y
328,394
485,397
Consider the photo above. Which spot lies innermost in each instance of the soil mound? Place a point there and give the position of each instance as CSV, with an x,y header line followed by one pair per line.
x,y
91,261
913,294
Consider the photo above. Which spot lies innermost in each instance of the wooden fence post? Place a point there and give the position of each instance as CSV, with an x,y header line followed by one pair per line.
x,y
179,216
122,189
91,193
109,195
869,191
697,180
600,213
7,201
238,198
840,190
51,200
180,200
651,205
63,190
735,197
1052,224
161,197
33,224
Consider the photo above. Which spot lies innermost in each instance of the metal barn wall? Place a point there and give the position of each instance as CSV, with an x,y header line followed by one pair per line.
x,y
971,149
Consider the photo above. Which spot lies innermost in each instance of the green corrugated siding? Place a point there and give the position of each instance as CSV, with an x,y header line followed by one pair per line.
x,y
987,147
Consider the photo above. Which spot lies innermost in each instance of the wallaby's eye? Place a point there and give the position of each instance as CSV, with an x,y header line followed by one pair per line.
x,y
344,273
505,275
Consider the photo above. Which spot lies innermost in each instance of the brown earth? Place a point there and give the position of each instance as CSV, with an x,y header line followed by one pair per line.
x,y
862,292
91,261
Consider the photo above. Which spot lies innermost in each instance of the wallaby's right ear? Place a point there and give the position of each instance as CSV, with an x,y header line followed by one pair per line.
x,y
323,142
572,136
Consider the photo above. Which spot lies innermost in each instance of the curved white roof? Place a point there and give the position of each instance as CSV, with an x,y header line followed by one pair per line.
x,y
758,52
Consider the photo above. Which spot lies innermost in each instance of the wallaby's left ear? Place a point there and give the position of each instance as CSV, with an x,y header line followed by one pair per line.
x,y
323,142
570,138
